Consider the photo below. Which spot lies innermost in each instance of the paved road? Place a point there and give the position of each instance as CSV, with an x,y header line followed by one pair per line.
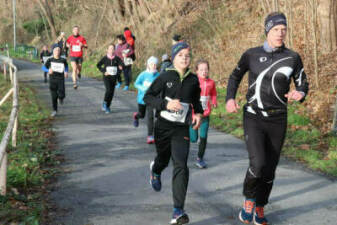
x,y
108,170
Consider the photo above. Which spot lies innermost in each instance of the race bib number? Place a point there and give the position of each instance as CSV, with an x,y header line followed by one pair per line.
x,y
147,84
128,61
111,70
57,67
179,116
45,58
76,48
204,102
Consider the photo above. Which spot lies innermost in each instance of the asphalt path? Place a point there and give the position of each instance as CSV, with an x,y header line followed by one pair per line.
x,y
106,178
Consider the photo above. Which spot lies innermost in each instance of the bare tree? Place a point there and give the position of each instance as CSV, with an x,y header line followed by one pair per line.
x,y
326,11
49,16
100,21
313,26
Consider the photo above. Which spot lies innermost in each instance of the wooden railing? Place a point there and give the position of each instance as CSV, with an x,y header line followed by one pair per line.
x,y
13,119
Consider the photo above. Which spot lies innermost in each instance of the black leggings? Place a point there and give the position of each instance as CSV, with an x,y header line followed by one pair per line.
x,y
173,141
142,110
57,90
264,140
109,83
127,71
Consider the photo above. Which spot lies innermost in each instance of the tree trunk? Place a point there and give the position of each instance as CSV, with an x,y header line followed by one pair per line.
x,y
100,22
47,13
313,24
326,11
275,5
45,27
334,124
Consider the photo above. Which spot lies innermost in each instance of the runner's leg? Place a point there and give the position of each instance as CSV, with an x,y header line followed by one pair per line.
x,y
180,149
141,111
74,75
109,90
274,142
255,142
203,137
193,135
53,87
150,120
79,67
61,89
162,137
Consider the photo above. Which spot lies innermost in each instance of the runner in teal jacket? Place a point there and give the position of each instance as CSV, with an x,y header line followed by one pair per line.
x,y
142,83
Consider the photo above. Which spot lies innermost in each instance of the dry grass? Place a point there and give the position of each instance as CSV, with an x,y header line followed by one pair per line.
x,y
218,30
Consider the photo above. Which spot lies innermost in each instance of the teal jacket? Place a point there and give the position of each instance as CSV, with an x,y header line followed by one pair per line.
x,y
143,82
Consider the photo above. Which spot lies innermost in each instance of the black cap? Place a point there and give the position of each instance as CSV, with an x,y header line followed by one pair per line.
x,y
176,37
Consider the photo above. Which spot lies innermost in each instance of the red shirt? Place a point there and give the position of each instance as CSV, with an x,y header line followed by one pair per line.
x,y
75,49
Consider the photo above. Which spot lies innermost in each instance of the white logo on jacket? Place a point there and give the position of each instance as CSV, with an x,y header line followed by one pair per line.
x,y
169,84
263,59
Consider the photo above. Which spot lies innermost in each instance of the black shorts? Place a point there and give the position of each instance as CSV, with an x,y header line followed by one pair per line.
x,y
77,60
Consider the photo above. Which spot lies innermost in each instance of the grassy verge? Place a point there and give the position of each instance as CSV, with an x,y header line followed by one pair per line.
x,y
30,163
304,142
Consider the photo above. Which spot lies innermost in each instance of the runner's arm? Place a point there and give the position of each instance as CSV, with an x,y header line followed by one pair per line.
x,y
152,98
131,51
120,62
236,77
68,43
197,107
100,64
66,67
139,82
46,66
214,95
300,78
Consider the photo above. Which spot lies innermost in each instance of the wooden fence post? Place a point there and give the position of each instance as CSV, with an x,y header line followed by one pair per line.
x,y
3,175
11,74
15,128
5,71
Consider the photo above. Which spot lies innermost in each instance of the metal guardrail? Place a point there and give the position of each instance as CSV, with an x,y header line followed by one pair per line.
x,y
12,126
21,50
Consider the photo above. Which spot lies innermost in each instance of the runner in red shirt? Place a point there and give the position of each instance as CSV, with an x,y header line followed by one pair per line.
x,y
76,43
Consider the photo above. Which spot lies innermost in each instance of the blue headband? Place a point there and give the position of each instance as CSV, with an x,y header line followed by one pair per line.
x,y
177,48
272,21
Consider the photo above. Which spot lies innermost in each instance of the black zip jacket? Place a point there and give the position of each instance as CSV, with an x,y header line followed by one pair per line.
x,y
169,84
44,53
105,62
270,75
57,64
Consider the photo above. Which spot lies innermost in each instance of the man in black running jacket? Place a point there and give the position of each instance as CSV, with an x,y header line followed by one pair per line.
x,y
271,68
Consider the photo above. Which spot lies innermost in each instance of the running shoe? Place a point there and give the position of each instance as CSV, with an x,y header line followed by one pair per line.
x,y
118,85
126,88
259,218
201,163
75,86
154,179
107,111
104,107
150,140
135,120
247,212
53,113
179,217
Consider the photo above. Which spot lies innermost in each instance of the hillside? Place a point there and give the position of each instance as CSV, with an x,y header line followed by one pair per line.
x,y
218,30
